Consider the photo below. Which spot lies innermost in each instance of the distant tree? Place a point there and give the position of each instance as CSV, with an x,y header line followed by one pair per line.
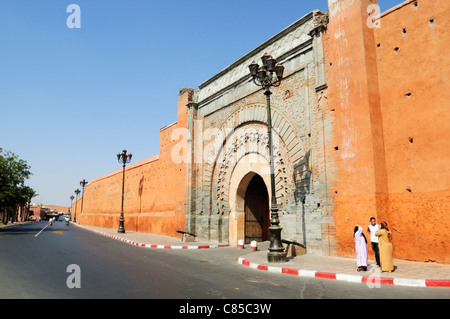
x,y
13,192
26,194
30,194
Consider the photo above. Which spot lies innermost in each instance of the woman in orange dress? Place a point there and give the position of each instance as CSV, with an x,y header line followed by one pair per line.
x,y
384,240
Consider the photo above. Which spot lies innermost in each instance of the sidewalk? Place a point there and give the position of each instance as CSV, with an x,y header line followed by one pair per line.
x,y
150,240
407,273
2,226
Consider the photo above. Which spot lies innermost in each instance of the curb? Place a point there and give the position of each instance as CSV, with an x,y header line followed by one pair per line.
x,y
13,224
369,280
159,246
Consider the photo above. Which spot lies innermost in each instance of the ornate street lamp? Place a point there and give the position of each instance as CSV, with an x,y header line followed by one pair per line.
x,y
124,159
83,185
266,76
71,200
77,192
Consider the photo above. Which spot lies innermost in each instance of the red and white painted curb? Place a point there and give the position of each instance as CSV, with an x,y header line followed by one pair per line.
x,y
160,246
371,279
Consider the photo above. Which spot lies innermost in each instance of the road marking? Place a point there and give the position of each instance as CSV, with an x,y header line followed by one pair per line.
x,y
41,230
58,232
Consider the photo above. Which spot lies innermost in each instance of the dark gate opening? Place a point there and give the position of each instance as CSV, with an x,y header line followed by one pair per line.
x,y
256,211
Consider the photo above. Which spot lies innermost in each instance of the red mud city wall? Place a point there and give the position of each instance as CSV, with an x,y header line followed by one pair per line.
x,y
413,46
389,92
154,199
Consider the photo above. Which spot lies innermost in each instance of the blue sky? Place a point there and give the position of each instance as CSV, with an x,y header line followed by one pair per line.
x,y
71,99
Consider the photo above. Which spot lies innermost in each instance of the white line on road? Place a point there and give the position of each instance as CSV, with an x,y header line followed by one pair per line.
x,y
41,230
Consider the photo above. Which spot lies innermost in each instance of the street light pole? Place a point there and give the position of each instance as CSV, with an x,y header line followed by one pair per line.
x,y
77,192
71,201
264,76
83,185
124,159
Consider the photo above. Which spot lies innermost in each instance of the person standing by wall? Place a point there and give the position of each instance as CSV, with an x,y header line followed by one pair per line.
x,y
384,235
372,229
361,249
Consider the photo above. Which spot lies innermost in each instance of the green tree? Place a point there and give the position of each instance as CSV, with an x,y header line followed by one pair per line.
x,y
13,192
27,194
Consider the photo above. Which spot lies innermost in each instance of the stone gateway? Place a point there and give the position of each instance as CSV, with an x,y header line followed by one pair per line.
x,y
229,184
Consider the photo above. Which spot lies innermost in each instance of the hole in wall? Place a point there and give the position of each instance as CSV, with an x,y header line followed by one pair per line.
x,y
396,49
336,148
408,94
379,45
409,190
287,94
411,140
431,22
404,30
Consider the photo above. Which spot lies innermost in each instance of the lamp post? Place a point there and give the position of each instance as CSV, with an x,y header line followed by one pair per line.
x,y
71,200
83,185
77,192
124,159
266,76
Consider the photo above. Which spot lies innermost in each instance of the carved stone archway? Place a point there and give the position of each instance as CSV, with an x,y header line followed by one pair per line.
x,y
243,140
246,153
245,131
249,145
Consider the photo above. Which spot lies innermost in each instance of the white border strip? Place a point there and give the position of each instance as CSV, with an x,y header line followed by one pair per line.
x,y
344,277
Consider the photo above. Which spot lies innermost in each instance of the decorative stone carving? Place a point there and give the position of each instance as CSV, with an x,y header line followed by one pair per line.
x,y
247,139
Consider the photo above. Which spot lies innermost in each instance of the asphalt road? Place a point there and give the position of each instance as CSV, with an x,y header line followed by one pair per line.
x,y
36,267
